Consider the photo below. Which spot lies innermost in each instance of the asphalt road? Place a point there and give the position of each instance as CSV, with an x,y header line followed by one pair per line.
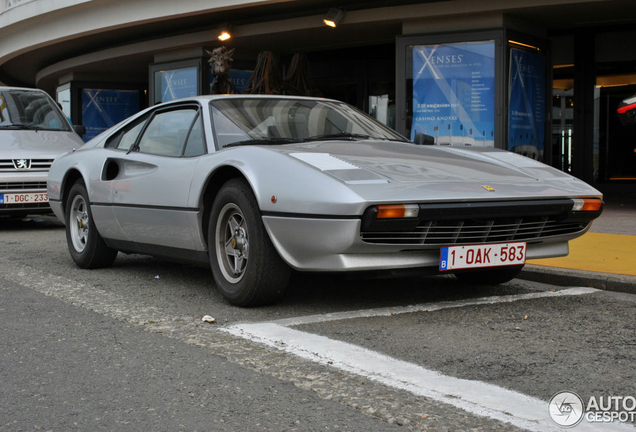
x,y
124,348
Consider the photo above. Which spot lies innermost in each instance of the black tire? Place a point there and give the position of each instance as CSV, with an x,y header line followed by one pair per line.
x,y
86,246
246,267
490,276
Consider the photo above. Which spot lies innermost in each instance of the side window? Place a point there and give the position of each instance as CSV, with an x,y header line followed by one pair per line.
x,y
127,137
196,143
167,132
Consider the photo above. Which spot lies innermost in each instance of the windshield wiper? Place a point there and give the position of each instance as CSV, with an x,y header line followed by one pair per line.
x,y
264,141
394,140
336,136
21,127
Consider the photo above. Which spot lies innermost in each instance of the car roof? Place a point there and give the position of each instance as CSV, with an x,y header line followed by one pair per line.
x,y
6,88
204,98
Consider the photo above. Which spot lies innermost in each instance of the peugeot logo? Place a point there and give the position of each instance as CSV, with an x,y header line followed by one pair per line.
x,y
22,164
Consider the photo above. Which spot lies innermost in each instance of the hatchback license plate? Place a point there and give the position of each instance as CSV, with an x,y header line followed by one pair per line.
x,y
23,198
478,256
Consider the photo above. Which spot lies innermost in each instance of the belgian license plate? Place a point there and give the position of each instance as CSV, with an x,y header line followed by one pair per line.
x,y
478,256
24,198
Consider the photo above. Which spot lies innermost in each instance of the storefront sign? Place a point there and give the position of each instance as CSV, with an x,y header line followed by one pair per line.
x,y
454,93
526,116
102,109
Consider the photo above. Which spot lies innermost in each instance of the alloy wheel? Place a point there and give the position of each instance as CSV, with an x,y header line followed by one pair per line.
x,y
232,243
79,223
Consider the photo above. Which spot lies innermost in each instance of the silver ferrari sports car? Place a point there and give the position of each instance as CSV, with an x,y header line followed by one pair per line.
x,y
258,186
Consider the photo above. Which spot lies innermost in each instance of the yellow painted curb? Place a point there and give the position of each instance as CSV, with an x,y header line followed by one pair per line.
x,y
606,253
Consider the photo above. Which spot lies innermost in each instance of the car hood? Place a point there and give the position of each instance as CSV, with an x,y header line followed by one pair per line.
x,y
402,172
357,162
16,144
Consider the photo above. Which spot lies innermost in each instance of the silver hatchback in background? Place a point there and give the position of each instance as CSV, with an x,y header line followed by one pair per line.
x,y
33,132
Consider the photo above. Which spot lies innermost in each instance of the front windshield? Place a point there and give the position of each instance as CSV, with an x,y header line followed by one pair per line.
x,y
239,121
30,110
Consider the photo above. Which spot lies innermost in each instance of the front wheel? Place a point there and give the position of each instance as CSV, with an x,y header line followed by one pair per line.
x,y
87,247
491,276
246,267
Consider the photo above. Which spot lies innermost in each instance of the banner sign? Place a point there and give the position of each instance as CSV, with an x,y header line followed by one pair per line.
x,y
454,93
179,83
526,116
239,78
102,109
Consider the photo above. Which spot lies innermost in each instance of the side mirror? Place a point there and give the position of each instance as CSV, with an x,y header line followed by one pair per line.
x,y
627,111
79,129
423,139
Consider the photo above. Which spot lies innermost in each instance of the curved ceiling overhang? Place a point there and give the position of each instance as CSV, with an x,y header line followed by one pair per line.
x,y
42,39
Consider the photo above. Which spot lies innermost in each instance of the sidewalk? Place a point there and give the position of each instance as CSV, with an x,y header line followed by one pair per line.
x,y
604,258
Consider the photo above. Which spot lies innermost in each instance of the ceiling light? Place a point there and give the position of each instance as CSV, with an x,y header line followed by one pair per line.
x,y
224,33
334,16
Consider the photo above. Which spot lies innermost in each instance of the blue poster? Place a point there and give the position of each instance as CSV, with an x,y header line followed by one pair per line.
x,y
454,93
102,109
526,115
239,78
179,83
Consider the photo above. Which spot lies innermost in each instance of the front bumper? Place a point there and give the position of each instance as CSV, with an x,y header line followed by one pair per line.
x,y
312,244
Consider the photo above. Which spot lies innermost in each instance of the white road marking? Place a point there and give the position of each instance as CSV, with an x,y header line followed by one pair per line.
x,y
429,307
475,397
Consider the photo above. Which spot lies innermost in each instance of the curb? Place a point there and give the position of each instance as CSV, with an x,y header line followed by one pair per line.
x,y
567,277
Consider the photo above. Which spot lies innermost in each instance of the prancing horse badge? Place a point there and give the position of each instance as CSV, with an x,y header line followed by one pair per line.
x,y
488,188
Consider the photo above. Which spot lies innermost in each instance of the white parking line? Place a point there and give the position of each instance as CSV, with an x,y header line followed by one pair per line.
x,y
475,397
429,307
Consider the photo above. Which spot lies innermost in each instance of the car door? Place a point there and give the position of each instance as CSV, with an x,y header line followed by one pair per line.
x,y
151,176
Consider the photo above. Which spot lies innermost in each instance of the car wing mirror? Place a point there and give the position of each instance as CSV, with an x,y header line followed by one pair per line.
x,y
423,139
627,111
79,129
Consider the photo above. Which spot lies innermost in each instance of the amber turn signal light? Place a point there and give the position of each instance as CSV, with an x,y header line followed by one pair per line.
x,y
587,204
396,211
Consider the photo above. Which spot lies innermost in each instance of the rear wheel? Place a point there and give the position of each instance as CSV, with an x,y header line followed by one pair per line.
x,y
490,276
86,246
246,267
